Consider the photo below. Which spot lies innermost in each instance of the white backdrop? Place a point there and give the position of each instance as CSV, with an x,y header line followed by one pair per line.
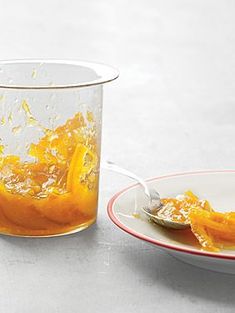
x,y
171,110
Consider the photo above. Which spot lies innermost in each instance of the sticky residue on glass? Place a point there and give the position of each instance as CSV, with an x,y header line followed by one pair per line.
x,y
1,149
10,117
34,73
3,121
16,129
31,121
90,116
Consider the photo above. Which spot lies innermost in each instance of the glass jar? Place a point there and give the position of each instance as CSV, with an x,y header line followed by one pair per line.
x,y
50,122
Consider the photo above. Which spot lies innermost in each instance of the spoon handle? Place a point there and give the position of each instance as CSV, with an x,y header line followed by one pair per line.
x,y
153,195
115,168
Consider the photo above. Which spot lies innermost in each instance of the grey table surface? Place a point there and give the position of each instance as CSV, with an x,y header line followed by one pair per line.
x,y
171,110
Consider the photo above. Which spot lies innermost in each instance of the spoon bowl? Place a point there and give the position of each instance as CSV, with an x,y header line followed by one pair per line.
x,y
163,221
154,205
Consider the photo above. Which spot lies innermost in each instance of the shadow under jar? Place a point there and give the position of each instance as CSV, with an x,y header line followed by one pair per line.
x,y
50,128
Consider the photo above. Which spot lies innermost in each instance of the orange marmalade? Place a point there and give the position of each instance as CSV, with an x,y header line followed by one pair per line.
x,y
57,192
178,209
213,230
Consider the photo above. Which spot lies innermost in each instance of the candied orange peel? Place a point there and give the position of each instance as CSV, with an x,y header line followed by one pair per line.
x,y
178,209
57,192
213,230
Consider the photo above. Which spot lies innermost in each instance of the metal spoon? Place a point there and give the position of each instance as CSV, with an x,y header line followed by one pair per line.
x,y
155,204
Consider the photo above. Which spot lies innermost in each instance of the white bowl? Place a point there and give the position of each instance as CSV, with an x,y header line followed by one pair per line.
x,y
216,186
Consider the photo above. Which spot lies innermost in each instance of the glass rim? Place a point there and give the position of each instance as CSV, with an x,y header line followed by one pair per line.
x,y
105,72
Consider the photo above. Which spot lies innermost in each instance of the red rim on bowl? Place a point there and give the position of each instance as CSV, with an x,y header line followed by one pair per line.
x,y
173,247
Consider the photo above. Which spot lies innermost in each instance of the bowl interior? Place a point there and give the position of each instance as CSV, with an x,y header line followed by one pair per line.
x,y
217,187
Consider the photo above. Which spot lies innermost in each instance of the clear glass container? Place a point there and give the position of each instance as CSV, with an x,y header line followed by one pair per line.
x,y
50,129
